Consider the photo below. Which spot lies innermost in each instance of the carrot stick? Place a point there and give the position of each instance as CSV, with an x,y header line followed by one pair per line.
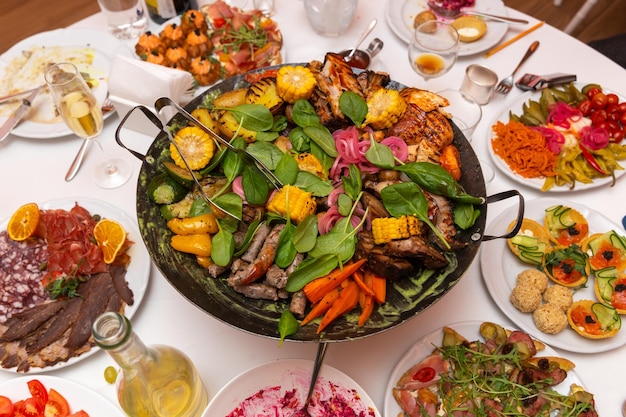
x,y
320,308
348,299
378,285
317,288
367,306
358,278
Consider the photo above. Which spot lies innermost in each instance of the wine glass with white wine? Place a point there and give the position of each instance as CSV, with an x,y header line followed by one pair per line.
x,y
82,114
433,49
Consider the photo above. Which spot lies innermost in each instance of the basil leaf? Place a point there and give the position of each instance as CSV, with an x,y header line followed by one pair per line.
x,y
309,269
353,106
404,199
280,123
340,242
287,325
231,202
286,169
232,165
380,155
323,138
326,160
305,236
255,117
266,136
465,215
352,184
255,186
436,179
344,204
313,184
286,251
247,240
300,142
304,114
222,247
268,153
199,207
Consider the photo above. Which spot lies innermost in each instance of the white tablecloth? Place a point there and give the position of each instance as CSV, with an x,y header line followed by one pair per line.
x,y
34,170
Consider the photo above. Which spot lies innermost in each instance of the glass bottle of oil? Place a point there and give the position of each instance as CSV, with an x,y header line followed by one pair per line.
x,y
155,381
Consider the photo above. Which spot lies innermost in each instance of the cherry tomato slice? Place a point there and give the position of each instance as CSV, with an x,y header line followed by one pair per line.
x,y
6,407
57,405
585,107
599,101
592,92
424,375
37,390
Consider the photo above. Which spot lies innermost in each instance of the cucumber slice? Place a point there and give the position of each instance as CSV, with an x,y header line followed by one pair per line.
x,y
607,316
559,217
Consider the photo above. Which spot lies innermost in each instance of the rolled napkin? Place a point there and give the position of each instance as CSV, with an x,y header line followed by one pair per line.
x,y
133,82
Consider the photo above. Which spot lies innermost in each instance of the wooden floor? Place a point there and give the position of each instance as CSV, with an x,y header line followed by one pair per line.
x,y
22,18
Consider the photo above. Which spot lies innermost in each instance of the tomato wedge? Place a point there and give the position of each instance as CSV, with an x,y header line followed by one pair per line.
x,y
6,407
37,390
57,405
30,407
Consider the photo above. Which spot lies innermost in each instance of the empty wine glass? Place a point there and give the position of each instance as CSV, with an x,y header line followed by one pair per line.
x,y
81,113
433,48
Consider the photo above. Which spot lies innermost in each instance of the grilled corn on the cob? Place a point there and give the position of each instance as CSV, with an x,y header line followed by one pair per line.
x,y
294,83
384,108
386,229
290,198
195,144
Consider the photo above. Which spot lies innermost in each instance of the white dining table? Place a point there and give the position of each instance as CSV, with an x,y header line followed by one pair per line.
x,y
34,170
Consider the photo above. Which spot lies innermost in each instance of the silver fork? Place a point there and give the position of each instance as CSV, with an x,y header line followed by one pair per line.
x,y
506,84
107,107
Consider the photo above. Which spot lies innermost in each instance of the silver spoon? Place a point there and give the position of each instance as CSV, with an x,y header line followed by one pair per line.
x,y
451,14
319,359
364,35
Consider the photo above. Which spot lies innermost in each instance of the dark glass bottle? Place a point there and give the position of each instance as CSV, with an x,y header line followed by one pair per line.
x,y
161,11
154,380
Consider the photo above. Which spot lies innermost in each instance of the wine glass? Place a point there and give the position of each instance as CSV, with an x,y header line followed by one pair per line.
x,y
433,48
81,113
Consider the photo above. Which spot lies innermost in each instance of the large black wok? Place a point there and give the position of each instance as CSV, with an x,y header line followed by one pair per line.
x,y
405,299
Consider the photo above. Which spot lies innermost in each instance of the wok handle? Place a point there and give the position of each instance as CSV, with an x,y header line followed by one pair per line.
x,y
150,115
520,212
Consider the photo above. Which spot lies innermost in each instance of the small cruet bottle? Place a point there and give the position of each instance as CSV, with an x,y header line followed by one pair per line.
x,y
155,381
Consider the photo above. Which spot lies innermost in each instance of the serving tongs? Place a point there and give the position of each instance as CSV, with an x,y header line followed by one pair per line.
x,y
164,102
156,119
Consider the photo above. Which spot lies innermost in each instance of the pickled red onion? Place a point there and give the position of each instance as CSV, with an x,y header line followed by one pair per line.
x,y
561,114
594,138
554,138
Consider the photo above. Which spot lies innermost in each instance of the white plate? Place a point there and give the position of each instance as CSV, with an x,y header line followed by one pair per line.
x,y
424,347
77,396
500,269
401,13
137,275
106,46
286,375
515,106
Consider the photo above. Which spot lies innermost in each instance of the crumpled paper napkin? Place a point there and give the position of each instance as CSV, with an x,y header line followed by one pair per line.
x,y
133,82
144,82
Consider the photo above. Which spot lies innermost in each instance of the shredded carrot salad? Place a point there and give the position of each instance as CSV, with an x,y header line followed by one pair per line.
x,y
524,150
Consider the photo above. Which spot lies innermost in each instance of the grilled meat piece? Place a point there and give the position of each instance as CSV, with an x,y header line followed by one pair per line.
x,y
371,81
441,214
417,125
376,206
58,326
418,248
298,303
27,321
258,290
334,76
379,261
425,100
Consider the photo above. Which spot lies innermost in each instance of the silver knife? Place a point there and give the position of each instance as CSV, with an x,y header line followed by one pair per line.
x,y
15,118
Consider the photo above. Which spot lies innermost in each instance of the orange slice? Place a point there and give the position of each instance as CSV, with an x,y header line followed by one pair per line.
x,y
110,236
23,222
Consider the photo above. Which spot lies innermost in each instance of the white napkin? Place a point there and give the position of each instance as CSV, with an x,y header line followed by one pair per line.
x,y
143,82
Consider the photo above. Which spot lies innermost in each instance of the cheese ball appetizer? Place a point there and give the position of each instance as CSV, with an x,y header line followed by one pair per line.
x,y
549,318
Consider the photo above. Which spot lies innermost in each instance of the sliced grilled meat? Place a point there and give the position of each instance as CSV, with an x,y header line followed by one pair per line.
x,y
371,81
380,262
27,321
417,248
118,275
58,325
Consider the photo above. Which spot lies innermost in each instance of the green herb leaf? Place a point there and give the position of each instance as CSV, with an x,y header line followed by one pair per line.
x,y
255,117
287,169
352,184
304,115
286,251
404,199
222,247
231,202
465,215
199,207
309,269
344,204
313,184
268,153
255,186
300,142
353,106
305,235
287,325
436,179
326,160
380,155
323,138
245,243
